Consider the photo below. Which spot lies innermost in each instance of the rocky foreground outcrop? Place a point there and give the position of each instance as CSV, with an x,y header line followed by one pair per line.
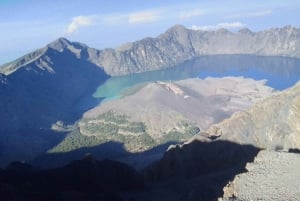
x,y
272,176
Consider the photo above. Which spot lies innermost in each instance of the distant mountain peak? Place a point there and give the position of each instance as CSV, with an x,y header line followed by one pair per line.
x,y
245,31
62,40
177,28
59,44
289,27
223,31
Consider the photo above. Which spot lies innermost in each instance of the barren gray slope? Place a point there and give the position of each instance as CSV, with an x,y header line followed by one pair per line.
x,y
273,123
272,176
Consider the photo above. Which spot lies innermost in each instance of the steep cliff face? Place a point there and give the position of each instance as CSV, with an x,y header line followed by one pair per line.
x,y
272,123
175,46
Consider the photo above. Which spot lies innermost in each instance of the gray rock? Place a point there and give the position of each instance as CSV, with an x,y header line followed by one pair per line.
x,y
272,176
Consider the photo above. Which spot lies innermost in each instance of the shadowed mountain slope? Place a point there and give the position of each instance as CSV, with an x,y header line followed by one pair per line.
x,y
86,179
44,90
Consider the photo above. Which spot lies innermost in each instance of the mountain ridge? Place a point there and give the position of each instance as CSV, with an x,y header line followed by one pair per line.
x,y
174,46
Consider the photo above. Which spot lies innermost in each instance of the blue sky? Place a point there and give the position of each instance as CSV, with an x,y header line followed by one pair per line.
x,y
26,25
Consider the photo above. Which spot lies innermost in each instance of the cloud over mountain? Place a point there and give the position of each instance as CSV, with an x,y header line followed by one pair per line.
x,y
225,25
78,22
144,17
191,13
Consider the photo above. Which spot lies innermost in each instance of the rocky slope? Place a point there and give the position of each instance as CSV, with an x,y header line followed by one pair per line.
x,y
272,176
271,124
175,46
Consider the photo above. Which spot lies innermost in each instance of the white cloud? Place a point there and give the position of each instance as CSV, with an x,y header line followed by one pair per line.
x,y
260,13
113,19
225,25
78,22
252,14
144,17
190,14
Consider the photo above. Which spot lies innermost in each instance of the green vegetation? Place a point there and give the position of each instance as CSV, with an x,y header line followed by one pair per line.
x,y
111,124
176,135
100,128
75,140
107,127
135,127
112,117
112,127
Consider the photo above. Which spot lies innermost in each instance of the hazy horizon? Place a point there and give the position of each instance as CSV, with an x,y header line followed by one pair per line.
x,y
31,24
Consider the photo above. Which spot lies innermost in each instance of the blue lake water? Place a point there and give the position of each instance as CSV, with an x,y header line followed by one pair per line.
x,y
280,72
